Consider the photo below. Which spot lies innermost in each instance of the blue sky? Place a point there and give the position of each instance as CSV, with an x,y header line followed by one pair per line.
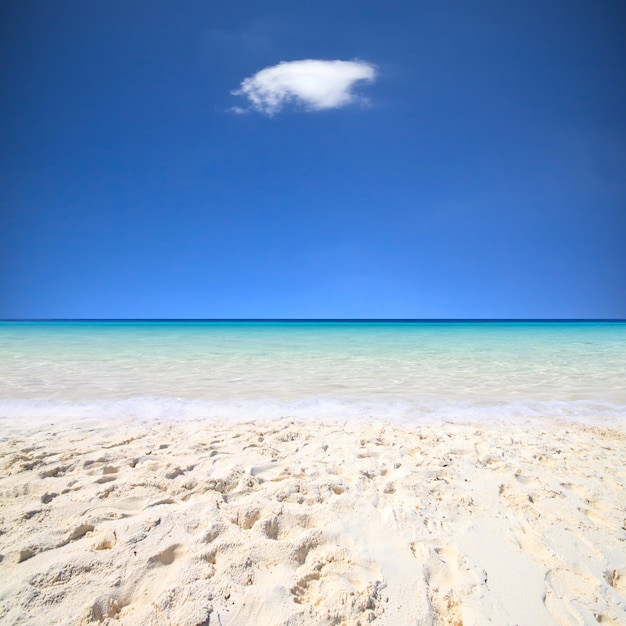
x,y
478,170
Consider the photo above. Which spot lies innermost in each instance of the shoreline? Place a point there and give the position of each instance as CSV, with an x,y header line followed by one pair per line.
x,y
306,522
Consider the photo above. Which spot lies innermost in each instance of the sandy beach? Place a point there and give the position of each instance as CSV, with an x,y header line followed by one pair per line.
x,y
294,522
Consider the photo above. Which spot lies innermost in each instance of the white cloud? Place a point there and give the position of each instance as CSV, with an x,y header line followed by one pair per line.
x,y
314,84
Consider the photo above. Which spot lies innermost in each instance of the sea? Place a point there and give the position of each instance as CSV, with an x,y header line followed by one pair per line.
x,y
402,371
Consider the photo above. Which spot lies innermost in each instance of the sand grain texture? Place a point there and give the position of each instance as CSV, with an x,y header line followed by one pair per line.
x,y
306,523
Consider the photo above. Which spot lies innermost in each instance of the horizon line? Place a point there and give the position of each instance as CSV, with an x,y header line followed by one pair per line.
x,y
319,319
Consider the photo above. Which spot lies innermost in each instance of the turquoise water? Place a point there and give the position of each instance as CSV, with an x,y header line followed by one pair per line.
x,y
408,371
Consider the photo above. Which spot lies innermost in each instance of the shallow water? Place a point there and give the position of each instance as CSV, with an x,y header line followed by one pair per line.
x,y
383,370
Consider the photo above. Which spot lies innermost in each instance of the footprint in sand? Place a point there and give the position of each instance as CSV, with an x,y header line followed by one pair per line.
x,y
335,585
143,589
448,577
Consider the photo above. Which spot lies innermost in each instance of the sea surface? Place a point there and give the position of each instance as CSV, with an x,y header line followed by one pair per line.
x,y
400,371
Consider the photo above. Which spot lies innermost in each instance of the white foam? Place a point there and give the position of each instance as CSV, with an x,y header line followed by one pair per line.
x,y
25,413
